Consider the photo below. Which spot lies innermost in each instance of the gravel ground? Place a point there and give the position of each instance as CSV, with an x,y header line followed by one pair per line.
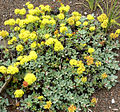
x,y
108,101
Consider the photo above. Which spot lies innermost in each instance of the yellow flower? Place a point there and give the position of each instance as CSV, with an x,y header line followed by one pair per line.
x,y
10,42
19,58
117,31
102,17
104,75
33,55
64,8
30,78
40,97
91,50
84,79
72,108
70,21
90,17
10,22
61,16
17,11
94,100
98,63
47,36
30,6
58,46
48,105
19,47
18,93
73,62
22,11
12,70
63,29
85,23
3,69
49,41
33,45
17,28
104,24
114,35
27,3
17,21
92,28
4,33
16,64
89,60
78,23
76,13
81,69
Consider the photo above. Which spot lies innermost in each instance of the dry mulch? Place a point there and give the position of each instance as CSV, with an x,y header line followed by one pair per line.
x,y
108,101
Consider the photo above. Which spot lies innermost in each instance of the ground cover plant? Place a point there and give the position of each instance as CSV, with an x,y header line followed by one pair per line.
x,y
55,60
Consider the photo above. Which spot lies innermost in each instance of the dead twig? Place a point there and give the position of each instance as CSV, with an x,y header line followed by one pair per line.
x,y
6,84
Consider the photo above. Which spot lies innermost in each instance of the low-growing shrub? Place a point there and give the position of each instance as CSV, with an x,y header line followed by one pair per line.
x,y
56,61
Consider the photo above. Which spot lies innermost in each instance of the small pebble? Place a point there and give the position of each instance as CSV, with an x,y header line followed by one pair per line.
x,y
113,101
85,13
115,109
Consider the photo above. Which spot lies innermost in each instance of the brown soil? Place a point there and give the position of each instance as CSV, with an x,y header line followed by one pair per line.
x,y
104,96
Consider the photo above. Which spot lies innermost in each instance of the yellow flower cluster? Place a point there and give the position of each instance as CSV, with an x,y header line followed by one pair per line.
x,y
30,78
73,62
57,44
14,39
92,28
61,16
63,29
48,105
12,70
32,55
85,23
103,19
20,11
35,11
33,45
74,19
94,100
18,93
4,33
19,47
25,35
84,79
47,21
31,19
72,108
79,64
40,97
29,6
45,8
91,50
89,60
90,17
98,63
104,75
81,68
10,22
16,28
47,36
115,35
24,59
3,69
64,8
